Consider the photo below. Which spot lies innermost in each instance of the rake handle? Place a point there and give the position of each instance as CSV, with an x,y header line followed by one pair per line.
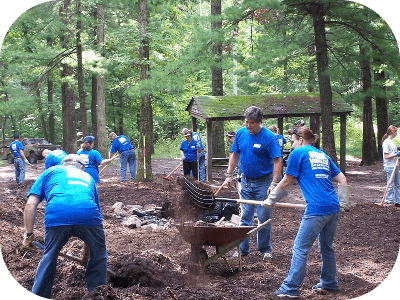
x,y
390,182
168,177
257,202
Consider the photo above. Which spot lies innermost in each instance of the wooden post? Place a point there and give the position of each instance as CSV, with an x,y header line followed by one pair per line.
x,y
280,125
209,150
194,124
343,143
314,126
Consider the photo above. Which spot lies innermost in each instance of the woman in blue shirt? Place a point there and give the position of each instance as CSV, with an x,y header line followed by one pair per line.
x,y
92,158
314,171
189,149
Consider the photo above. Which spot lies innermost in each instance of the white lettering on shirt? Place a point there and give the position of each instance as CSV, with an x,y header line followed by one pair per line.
x,y
122,140
318,161
257,146
77,174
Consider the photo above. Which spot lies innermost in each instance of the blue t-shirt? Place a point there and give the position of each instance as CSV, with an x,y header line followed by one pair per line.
x,y
314,171
190,150
256,152
92,160
71,197
196,136
55,158
120,144
15,147
281,141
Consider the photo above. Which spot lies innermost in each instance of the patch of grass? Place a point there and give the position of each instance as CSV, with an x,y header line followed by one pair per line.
x,y
167,148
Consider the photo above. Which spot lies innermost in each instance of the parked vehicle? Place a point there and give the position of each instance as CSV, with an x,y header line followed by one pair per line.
x,y
33,148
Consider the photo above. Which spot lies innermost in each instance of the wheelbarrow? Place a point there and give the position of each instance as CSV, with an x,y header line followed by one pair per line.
x,y
223,238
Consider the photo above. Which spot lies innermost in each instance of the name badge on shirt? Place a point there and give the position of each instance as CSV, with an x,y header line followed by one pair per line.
x,y
257,146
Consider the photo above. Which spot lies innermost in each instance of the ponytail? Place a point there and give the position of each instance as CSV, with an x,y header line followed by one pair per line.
x,y
390,131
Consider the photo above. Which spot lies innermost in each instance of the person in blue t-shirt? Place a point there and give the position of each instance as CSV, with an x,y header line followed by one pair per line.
x,y
53,158
258,150
127,154
314,171
91,158
201,155
72,209
20,160
189,153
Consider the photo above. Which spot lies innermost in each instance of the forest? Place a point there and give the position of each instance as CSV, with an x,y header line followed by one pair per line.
x,y
132,67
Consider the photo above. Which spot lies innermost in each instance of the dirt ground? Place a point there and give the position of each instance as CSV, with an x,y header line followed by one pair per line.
x,y
153,263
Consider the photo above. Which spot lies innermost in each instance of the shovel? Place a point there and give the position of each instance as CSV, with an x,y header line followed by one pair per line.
x,y
168,177
205,198
71,257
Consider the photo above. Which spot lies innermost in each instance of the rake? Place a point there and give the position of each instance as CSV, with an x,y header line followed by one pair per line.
x,y
205,198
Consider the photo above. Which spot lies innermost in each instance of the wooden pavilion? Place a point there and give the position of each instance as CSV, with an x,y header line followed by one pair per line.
x,y
279,106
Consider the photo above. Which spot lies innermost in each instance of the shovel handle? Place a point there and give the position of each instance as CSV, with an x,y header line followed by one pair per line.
x,y
114,157
71,257
168,177
258,202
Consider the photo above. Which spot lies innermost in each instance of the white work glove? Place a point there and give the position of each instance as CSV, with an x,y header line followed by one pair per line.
x,y
273,197
271,187
27,161
343,195
183,157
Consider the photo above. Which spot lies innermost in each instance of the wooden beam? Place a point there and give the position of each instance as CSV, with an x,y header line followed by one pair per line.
x,y
209,150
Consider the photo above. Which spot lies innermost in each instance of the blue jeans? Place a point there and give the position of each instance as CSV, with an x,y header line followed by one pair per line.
x,y
256,189
202,167
127,157
394,188
311,227
19,169
55,238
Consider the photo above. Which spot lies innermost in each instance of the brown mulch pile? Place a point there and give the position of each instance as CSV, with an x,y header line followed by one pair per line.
x,y
153,263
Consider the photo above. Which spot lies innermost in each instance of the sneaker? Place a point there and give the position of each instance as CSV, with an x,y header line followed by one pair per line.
x,y
397,204
236,254
267,256
319,289
281,294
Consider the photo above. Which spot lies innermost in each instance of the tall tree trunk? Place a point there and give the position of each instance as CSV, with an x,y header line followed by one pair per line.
x,y
369,151
328,140
81,92
50,108
101,103
93,103
52,130
145,120
68,101
218,144
41,114
93,108
381,103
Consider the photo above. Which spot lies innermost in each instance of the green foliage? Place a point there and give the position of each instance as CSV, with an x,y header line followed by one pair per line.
x,y
267,48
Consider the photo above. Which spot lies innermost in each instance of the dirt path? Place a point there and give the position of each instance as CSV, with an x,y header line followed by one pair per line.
x,y
366,244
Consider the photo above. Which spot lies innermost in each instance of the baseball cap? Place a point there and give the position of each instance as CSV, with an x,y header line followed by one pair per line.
x,y
88,139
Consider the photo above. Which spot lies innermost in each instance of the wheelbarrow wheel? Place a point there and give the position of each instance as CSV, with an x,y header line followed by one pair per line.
x,y
197,259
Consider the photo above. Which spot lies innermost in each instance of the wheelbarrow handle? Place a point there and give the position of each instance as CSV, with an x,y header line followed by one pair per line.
x,y
258,202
